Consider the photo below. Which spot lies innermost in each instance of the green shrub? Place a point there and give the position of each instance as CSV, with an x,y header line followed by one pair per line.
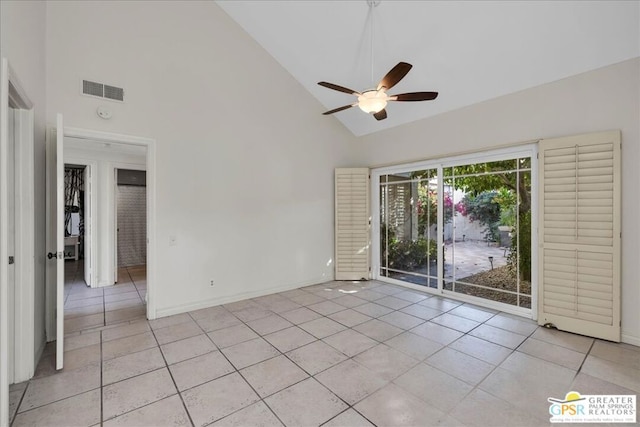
x,y
409,254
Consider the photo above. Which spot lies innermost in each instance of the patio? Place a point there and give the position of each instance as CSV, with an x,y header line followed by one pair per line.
x,y
472,262
471,257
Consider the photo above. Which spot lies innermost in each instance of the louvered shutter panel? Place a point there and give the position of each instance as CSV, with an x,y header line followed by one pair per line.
x,y
352,224
579,231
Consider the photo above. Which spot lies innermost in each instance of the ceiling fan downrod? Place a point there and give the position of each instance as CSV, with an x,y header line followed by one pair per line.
x,y
372,4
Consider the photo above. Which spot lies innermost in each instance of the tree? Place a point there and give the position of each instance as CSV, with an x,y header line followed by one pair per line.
x,y
478,177
495,176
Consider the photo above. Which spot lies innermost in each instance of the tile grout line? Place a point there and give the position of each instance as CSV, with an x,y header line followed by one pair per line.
x,y
495,367
587,354
236,370
262,399
326,316
166,366
24,393
474,387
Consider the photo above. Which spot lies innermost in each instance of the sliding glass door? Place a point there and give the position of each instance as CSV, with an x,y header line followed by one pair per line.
x,y
408,227
459,226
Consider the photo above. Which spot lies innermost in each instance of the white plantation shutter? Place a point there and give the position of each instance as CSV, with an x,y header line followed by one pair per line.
x,y
352,223
579,231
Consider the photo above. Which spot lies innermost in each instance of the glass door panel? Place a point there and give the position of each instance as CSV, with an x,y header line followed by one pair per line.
x,y
408,227
488,249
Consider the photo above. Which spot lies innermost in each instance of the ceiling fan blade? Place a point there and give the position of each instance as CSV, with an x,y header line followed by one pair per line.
x,y
396,74
415,96
335,110
339,88
381,115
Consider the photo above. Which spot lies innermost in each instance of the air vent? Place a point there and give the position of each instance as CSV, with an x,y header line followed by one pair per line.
x,y
115,93
92,88
102,90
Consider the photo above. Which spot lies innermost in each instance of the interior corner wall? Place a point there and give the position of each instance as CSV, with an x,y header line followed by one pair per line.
x,y
603,99
22,42
244,159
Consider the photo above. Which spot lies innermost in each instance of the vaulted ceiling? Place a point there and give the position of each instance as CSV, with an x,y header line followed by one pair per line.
x,y
468,51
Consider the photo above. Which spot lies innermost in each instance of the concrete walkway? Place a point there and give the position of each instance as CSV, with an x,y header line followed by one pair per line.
x,y
472,257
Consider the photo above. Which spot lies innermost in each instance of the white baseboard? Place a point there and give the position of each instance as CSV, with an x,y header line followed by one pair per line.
x,y
630,339
184,308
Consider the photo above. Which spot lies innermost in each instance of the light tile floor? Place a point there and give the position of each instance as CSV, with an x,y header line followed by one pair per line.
x,y
321,355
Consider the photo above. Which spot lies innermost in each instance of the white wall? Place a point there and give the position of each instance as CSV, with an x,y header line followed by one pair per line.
x,y
106,159
22,42
604,99
244,158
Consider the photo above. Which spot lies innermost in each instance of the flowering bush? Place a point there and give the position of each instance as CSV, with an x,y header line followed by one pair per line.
x,y
427,206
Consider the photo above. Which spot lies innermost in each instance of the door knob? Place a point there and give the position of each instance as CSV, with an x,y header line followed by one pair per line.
x,y
51,255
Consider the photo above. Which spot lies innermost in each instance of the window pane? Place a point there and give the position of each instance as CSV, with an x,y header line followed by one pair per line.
x,y
524,163
408,221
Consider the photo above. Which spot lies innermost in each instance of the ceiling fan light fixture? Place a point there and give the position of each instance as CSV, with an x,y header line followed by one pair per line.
x,y
372,101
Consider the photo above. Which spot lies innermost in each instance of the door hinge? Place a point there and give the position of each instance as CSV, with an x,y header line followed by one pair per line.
x,y
12,260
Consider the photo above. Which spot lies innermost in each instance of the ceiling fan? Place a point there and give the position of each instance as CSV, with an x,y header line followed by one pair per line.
x,y
375,100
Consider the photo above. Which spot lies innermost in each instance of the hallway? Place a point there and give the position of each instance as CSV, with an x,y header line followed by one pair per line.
x,y
87,308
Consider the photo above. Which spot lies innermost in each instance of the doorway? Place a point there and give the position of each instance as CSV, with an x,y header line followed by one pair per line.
x,y
75,195
104,175
103,304
131,224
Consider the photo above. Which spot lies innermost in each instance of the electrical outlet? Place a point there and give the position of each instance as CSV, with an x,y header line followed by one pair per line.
x,y
211,283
